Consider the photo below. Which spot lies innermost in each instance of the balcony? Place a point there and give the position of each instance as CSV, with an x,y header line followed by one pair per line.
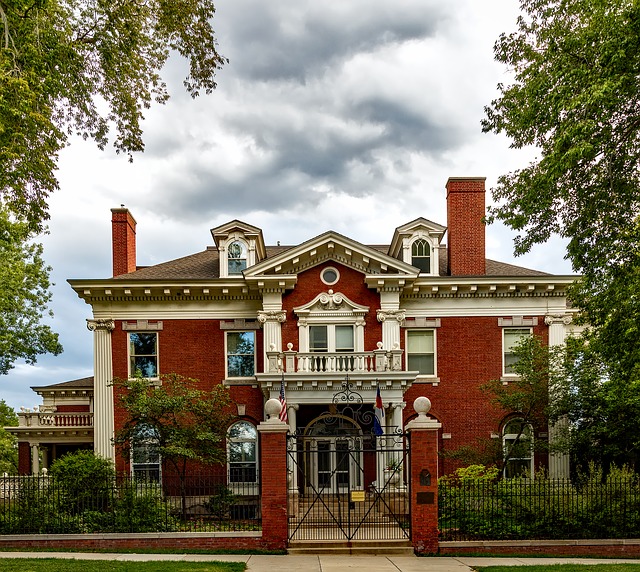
x,y
333,363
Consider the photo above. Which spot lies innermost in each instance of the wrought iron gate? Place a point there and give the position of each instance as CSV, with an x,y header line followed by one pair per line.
x,y
344,485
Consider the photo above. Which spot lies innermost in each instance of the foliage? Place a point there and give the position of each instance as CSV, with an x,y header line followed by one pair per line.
x,y
80,66
473,473
24,295
219,505
591,507
575,96
8,442
84,481
187,423
107,565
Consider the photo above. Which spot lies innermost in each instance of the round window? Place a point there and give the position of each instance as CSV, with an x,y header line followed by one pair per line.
x,y
329,276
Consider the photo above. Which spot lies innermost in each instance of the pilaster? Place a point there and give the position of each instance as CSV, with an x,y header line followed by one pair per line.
x,y
102,388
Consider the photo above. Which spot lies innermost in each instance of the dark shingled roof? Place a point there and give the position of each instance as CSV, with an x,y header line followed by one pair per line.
x,y
205,266
83,383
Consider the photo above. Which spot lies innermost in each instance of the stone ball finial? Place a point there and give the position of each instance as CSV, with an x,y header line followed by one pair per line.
x,y
272,347
289,346
272,408
379,345
422,405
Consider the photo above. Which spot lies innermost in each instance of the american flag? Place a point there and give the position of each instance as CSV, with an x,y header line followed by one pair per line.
x,y
283,401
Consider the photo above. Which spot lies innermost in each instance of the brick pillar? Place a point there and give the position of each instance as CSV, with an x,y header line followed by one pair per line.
x,y
24,458
273,462
423,437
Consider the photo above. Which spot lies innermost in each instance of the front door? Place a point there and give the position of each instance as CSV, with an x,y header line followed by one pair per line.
x,y
335,464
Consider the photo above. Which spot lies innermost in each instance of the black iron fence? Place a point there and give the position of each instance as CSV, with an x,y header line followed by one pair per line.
x,y
539,509
41,504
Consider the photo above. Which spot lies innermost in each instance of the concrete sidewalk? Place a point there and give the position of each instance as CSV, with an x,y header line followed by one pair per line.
x,y
311,563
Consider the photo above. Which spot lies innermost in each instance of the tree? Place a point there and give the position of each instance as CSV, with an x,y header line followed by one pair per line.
x,y
188,425
575,96
8,443
81,66
24,295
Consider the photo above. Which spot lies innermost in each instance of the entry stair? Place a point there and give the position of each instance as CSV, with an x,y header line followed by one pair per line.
x,y
354,548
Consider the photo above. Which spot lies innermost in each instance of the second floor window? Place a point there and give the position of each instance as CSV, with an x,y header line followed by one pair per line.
x,y
421,354
143,354
241,353
331,338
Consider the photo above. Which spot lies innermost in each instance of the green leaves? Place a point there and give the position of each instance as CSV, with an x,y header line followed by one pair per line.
x,y
24,296
86,67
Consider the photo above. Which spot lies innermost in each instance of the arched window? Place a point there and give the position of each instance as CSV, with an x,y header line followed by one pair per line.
x,y
517,446
421,255
242,448
236,257
145,453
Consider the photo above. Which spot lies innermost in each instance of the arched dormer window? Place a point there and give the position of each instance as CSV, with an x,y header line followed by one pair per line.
x,y
421,255
236,257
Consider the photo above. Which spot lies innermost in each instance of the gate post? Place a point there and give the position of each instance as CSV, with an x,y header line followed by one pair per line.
x,y
273,461
423,435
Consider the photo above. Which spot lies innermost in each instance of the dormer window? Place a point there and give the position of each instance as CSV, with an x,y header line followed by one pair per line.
x,y
236,258
421,255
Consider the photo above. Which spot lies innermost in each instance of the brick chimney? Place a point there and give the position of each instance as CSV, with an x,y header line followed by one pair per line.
x,y
465,211
123,238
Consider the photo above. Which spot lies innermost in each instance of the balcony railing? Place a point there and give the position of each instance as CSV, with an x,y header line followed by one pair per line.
x,y
42,419
334,362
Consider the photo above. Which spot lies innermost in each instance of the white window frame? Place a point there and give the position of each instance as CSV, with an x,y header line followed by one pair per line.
x,y
130,355
504,348
146,467
243,487
435,351
245,252
429,246
513,439
226,353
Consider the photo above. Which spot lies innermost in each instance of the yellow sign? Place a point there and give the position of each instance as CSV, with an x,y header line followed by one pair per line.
x,y
357,496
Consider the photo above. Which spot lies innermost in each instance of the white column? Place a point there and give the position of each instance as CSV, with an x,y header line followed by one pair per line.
x,y
391,321
35,458
102,388
272,331
558,462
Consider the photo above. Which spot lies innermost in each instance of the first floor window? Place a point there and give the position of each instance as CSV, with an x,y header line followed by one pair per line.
x,y
242,444
421,351
241,354
145,453
143,354
517,445
511,338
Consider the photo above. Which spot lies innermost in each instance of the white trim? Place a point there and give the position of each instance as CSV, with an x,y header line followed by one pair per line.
x,y
157,354
334,269
423,377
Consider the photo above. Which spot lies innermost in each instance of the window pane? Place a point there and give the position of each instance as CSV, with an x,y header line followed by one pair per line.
x,y
237,266
240,366
145,366
318,338
422,263
240,343
420,342
421,363
512,337
344,338
243,430
142,344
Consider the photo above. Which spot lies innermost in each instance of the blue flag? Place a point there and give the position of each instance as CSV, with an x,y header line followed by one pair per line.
x,y
378,420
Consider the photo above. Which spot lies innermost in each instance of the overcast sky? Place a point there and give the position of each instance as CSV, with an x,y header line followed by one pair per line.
x,y
346,116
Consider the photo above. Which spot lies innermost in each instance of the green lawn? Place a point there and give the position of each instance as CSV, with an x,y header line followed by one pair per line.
x,y
64,565
564,568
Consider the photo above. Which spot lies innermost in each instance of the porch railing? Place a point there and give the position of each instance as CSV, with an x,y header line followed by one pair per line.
x,y
45,419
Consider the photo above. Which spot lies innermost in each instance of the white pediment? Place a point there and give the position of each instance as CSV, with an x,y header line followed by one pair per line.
x,y
331,246
330,303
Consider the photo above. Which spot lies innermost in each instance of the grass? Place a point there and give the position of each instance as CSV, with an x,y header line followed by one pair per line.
x,y
63,565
